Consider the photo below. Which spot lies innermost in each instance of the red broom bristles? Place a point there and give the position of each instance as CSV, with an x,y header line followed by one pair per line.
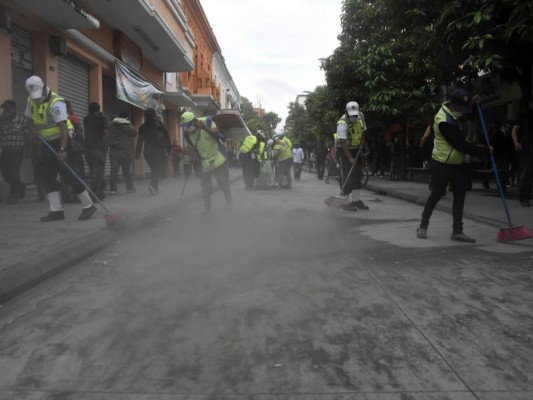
x,y
514,233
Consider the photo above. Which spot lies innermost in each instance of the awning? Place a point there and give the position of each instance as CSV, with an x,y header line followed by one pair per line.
x,y
179,99
206,102
60,13
143,24
231,124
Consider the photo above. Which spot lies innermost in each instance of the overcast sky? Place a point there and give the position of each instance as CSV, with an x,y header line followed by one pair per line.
x,y
272,48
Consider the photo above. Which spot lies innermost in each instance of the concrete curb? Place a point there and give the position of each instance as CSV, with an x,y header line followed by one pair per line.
x,y
26,274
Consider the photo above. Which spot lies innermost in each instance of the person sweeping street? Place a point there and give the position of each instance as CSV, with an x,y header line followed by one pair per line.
x,y
448,161
351,129
49,114
203,135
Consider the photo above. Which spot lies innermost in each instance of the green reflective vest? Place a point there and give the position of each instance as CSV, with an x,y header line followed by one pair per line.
x,y
282,149
355,131
42,117
442,151
248,144
207,148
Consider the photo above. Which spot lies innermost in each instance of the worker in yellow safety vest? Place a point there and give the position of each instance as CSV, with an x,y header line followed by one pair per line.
x,y
49,114
203,135
448,161
282,159
248,153
351,129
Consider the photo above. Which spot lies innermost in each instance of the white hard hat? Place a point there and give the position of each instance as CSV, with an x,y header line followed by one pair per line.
x,y
352,108
34,86
270,142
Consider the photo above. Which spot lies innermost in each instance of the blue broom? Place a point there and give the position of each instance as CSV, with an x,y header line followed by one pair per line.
x,y
510,233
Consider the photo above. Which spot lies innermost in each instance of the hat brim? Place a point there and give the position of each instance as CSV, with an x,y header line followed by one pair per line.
x,y
352,113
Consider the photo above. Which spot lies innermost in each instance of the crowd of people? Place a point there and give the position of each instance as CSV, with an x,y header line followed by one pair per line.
x,y
60,144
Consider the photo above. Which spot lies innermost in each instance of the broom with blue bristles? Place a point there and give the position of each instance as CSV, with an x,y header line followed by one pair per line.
x,y
510,233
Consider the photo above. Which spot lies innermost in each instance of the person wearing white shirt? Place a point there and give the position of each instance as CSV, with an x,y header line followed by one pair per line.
x,y
297,160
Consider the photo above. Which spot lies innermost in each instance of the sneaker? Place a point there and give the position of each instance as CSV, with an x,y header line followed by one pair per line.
x,y
112,192
349,207
152,191
422,233
461,237
326,180
525,203
53,216
87,212
130,190
360,205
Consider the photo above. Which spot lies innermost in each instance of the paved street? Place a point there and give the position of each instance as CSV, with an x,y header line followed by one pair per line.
x,y
281,299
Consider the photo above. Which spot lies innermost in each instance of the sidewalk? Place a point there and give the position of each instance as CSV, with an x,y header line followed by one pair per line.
x,y
481,205
32,251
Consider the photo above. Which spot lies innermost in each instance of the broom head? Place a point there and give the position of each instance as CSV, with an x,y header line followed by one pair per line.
x,y
336,202
114,221
514,233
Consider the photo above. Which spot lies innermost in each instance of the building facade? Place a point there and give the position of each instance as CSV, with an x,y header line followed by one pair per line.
x,y
126,55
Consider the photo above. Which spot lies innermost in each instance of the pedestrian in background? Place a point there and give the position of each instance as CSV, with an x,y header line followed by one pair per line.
x,y
448,161
297,160
351,129
15,136
75,151
523,144
49,114
121,134
153,136
321,155
203,135
96,131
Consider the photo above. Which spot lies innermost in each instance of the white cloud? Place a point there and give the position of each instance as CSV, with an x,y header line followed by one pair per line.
x,y
272,48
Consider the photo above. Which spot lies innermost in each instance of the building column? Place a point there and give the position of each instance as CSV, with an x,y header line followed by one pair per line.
x,y
96,84
5,66
138,119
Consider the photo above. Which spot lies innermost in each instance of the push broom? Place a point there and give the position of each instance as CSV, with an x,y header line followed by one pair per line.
x,y
114,220
511,232
339,201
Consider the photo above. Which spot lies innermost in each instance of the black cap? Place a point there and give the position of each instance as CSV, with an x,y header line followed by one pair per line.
x,y
461,100
9,104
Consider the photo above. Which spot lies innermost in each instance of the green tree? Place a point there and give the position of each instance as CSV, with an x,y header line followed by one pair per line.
x,y
272,120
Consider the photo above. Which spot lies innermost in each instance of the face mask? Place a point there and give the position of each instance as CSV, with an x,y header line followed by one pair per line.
x,y
458,114
190,129
353,118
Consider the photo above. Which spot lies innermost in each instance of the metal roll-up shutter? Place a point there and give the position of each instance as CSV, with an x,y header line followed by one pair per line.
x,y
74,84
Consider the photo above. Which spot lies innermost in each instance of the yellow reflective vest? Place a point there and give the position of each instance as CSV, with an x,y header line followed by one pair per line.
x,y
42,117
442,151
207,147
282,150
247,144
355,131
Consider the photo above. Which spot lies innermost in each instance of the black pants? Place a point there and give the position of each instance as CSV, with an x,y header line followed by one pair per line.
x,y
10,163
157,160
526,175
96,160
75,161
120,158
283,171
297,170
320,168
248,173
441,176
49,167
222,177
350,181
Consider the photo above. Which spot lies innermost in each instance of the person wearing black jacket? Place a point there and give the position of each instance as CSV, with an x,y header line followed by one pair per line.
x,y
448,161
154,137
